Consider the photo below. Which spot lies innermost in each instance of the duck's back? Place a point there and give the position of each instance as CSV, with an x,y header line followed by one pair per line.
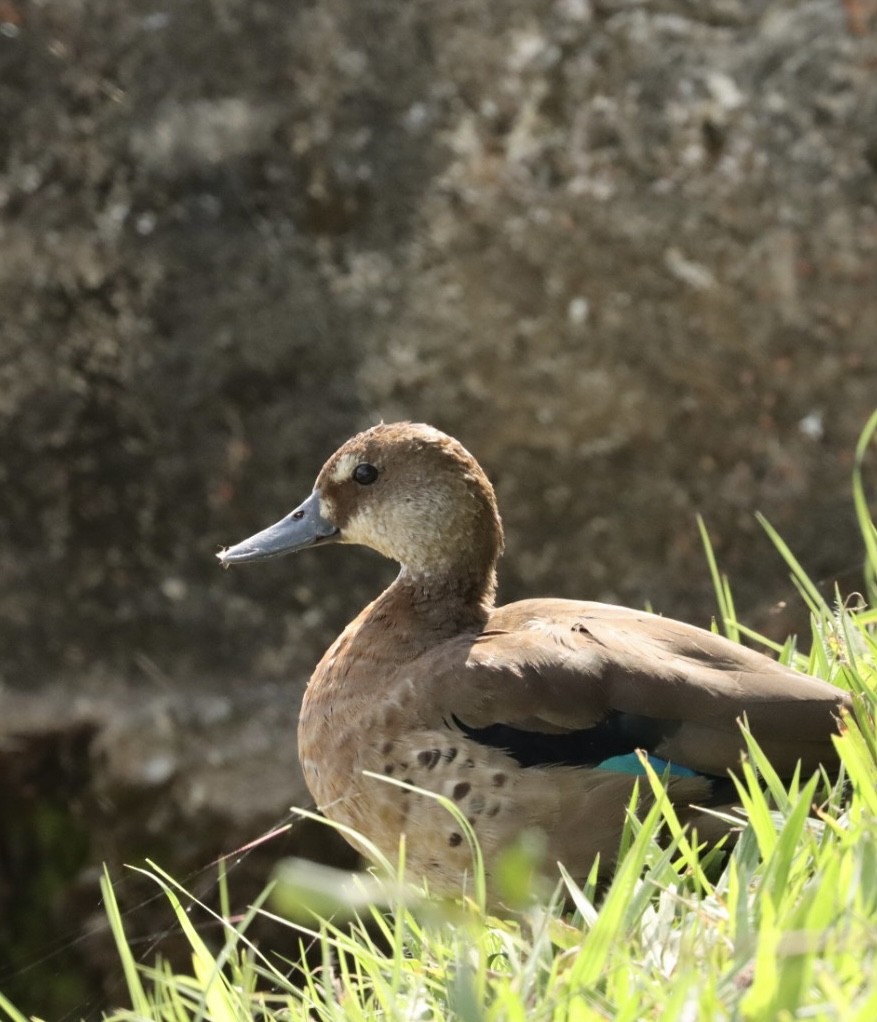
x,y
677,690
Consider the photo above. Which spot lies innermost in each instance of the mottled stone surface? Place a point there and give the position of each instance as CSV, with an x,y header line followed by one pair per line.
x,y
625,251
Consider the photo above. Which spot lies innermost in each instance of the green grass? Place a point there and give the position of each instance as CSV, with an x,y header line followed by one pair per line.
x,y
784,927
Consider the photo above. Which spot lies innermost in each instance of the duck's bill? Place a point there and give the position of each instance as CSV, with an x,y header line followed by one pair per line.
x,y
301,528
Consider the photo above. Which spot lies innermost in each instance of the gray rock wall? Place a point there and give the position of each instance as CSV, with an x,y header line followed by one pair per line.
x,y
626,251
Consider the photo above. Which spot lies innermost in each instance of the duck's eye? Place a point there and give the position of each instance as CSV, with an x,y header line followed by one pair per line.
x,y
365,474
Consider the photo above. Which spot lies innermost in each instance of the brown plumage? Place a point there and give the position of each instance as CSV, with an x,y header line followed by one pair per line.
x,y
525,715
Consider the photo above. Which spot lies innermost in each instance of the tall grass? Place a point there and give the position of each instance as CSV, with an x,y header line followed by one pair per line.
x,y
783,927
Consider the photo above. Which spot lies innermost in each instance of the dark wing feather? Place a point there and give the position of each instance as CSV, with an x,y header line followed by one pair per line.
x,y
595,678
616,734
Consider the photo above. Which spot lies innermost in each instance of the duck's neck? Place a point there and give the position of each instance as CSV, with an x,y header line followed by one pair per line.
x,y
430,606
468,591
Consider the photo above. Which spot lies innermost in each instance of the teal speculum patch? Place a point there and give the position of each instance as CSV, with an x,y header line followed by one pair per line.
x,y
632,764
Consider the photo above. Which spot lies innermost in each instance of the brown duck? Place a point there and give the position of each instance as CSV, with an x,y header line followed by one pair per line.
x,y
528,715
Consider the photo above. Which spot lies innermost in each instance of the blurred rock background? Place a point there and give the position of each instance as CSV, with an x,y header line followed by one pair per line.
x,y
625,251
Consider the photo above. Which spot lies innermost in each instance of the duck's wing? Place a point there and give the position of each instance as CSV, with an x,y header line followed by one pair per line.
x,y
557,681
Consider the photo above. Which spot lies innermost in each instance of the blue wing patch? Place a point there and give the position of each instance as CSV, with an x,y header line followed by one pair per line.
x,y
631,764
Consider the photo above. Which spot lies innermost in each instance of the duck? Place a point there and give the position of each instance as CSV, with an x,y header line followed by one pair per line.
x,y
533,717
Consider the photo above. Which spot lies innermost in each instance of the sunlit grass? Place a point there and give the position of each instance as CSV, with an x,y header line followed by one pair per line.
x,y
782,926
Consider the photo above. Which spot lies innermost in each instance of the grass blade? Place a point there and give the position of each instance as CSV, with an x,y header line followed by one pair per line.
x,y
863,514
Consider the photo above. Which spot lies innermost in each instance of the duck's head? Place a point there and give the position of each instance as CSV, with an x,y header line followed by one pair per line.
x,y
404,489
